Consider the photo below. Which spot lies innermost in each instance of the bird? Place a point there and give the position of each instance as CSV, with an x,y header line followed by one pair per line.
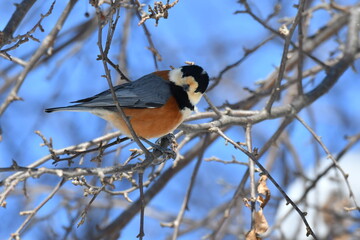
x,y
155,104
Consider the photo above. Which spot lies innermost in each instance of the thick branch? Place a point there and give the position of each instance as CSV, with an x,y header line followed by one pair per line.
x,y
46,44
19,14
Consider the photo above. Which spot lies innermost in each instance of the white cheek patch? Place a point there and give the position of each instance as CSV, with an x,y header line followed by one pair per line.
x,y
194,97
192,83
175,76
186,112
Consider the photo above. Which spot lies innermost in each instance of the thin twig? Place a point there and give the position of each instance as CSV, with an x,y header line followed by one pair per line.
x,y
212,106
329,155
186,200
85,211
111,30
255,159
251,174
124,218
31,214
331,28
240,189
19,14
142,206
11,181
125,40
45,45
353,140
247,53
156,55
276,90
301,54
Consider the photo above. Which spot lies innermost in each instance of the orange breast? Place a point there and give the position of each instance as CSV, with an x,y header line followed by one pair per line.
x,y
149,122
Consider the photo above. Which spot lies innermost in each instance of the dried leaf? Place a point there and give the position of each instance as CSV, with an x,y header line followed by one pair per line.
x,y
264,190
262,187
252,235
246,202
260,225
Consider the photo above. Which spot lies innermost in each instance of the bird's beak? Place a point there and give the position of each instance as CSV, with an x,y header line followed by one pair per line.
x,y
186,87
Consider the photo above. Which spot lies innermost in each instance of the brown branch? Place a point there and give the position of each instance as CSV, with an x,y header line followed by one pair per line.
x,y
276,89
176,223
11,181
301,53
19,14
251,170
85,211
45,45
240,189
125,217
104,53
124,42
352,141
142,206
22,38
247,53
81,30
329,155
331,28
255,158
31,214
156,55
333,75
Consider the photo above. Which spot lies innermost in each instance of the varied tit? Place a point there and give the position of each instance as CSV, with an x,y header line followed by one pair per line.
x,y
155,104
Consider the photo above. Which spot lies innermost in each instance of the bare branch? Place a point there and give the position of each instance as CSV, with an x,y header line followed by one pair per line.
x,y
46,44
276,89
32,213
19,14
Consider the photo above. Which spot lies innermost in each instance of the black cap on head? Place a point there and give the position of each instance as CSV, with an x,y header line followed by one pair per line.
x,y
199,74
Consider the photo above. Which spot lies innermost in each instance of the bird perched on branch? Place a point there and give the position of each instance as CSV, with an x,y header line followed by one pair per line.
x,y
155,104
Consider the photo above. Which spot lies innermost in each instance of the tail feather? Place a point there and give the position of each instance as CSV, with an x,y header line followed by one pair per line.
x,y
68,108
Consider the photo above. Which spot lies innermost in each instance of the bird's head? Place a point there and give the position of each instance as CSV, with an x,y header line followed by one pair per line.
x,y
193,79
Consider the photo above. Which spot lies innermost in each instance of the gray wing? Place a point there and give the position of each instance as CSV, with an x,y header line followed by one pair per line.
x,y
149,91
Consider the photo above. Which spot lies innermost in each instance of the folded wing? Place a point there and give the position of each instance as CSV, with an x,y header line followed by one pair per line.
x,y
149,91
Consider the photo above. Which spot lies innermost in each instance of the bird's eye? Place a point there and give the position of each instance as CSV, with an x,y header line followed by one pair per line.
x,y
186,87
